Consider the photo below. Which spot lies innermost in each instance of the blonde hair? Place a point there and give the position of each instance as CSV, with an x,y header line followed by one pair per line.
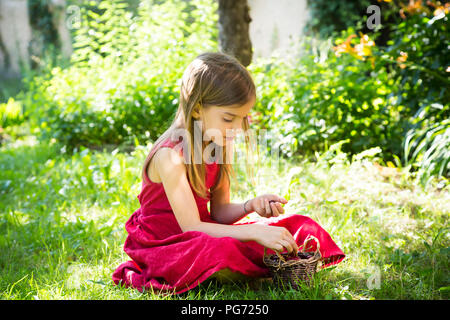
x,y
211,79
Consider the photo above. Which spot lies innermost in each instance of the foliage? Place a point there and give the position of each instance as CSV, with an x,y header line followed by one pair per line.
x,y
330,16
318,99
419,56
413,66
427,149
416,46
123,81
419,53
41,20
126,69
10,113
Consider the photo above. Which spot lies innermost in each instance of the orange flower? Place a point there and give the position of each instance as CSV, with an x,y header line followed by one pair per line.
x,y
413,7
359,51
440,9
363,48
344,47
402,58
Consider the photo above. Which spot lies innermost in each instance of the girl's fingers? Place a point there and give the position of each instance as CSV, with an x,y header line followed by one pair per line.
x,y
281,200
270,208
293,244
286,245
275,211
279,208
268,211
279,247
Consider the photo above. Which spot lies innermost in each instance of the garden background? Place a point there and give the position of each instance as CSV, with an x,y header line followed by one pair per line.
x,y
360,116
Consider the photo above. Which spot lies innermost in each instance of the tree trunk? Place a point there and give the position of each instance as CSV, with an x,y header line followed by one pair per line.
x,y
15,37
234,38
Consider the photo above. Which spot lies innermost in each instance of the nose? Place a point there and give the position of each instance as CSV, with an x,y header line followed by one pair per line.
x,y
236,126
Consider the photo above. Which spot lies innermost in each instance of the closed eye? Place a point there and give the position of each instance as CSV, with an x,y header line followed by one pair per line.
x,y
226,120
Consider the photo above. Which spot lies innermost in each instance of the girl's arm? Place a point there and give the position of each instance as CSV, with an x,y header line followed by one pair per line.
x,y
222,210
229,213
225,212
172,172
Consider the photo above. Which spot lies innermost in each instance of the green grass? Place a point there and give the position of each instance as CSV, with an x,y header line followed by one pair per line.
x,y
62,225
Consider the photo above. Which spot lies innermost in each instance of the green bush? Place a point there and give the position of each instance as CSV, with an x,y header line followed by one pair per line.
x,y
123,81
393,96
318,99
422,39
330,16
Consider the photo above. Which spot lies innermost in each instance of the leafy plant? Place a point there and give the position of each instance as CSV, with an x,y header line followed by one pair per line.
x,y
419,53
427,149
122,85
415,61
318,99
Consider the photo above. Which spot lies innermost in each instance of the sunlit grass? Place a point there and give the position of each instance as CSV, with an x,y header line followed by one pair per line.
x,y
62,224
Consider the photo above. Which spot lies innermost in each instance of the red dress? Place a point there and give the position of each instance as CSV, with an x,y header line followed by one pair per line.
x,y
165,258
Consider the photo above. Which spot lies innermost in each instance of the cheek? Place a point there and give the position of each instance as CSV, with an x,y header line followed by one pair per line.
x,y
212,125
222,126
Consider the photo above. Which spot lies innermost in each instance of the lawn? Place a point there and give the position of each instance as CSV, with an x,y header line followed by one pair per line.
x,y
62,223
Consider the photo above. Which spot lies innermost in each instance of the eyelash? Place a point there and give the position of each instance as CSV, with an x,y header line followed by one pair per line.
x,y
232,120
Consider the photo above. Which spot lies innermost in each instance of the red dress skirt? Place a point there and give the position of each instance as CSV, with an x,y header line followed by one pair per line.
x,y
164,258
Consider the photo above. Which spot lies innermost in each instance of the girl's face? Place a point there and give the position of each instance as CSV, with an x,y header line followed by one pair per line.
x,y
221,123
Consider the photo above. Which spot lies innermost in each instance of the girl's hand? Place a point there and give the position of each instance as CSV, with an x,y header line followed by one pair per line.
x,y
268,205
275,238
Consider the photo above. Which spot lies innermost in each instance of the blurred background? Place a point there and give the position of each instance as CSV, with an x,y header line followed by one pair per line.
x,y
353,94
94,73
98,72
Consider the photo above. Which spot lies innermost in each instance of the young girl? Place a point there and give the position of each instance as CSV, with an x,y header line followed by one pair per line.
x,y
174,242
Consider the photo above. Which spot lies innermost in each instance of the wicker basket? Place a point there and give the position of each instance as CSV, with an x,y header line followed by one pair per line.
x,y
286,269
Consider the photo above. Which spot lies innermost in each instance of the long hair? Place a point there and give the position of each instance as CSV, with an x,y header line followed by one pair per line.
x,y
211,79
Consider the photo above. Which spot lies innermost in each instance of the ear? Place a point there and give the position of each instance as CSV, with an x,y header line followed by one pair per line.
x,y
196,113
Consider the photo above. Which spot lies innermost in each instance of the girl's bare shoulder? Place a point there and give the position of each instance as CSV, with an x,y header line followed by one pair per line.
x,y
165,159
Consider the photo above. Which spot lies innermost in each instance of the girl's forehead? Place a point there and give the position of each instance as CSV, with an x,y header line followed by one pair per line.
x,y
240,111
237,108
